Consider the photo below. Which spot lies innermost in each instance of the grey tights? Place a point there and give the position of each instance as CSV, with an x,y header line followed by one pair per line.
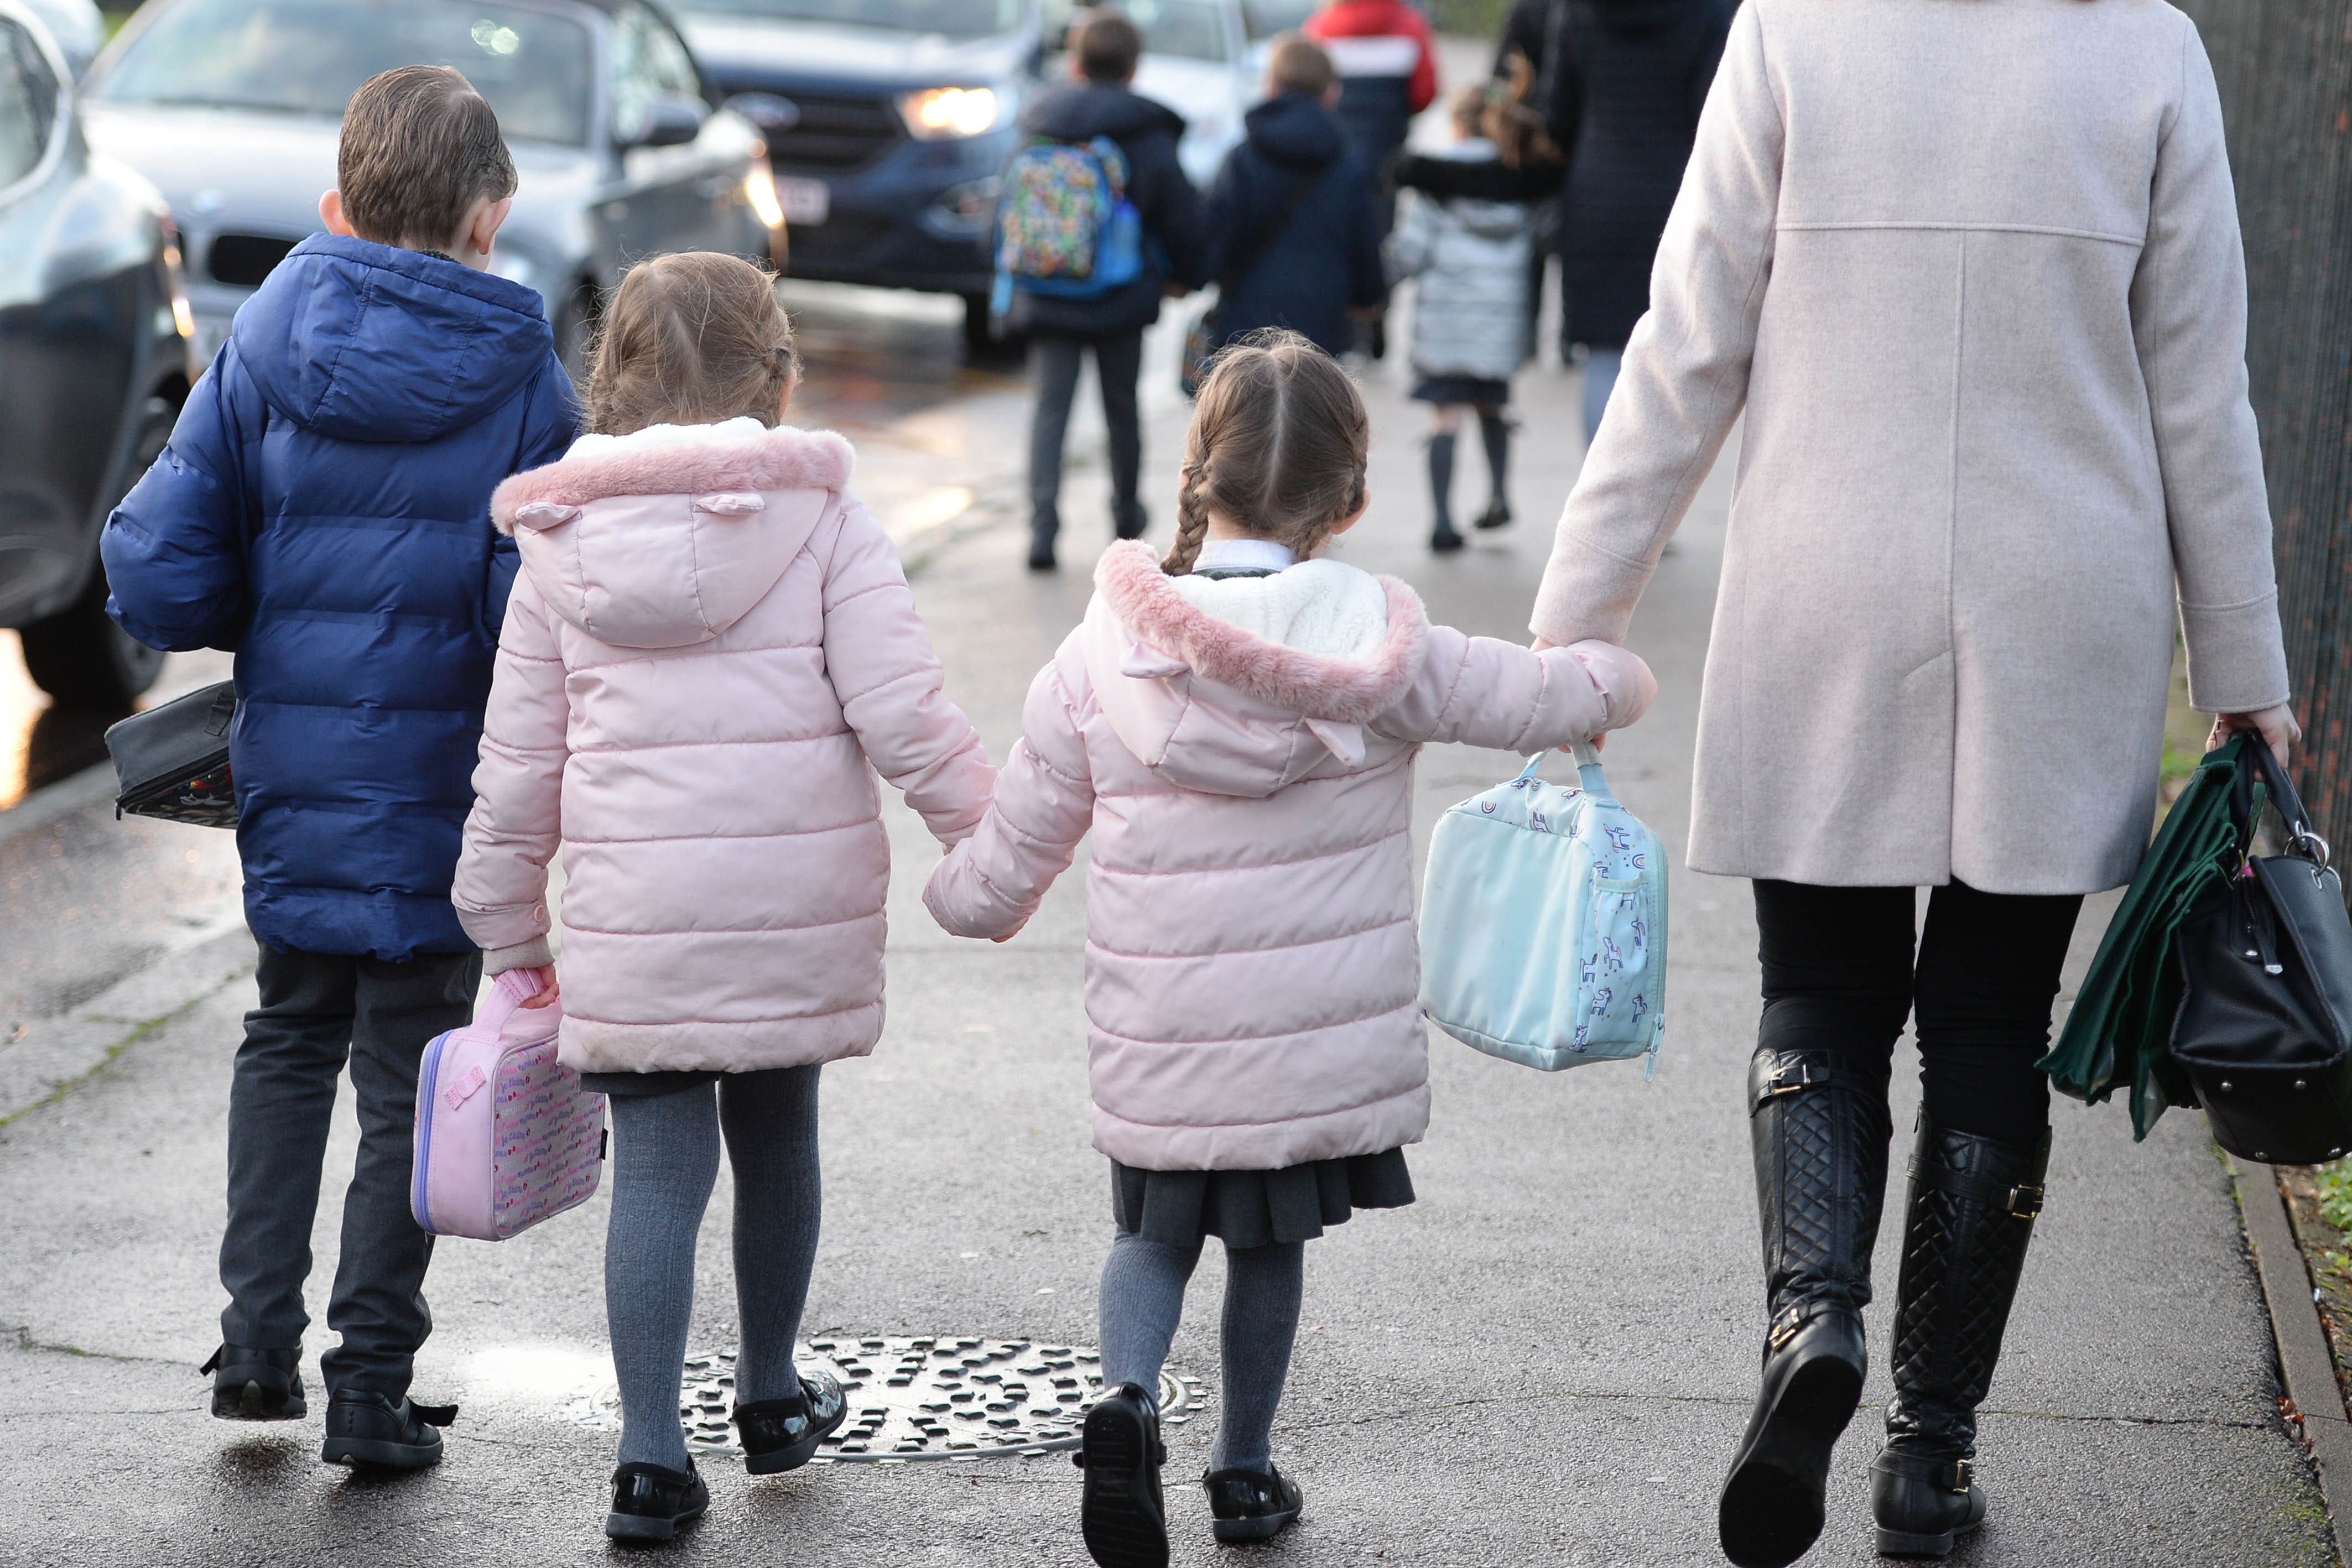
x,y
1142,1298
664,1162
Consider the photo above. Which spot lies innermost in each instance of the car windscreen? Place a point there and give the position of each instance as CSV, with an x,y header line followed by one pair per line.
x,y
1268,18
308,57
944,18
1187,30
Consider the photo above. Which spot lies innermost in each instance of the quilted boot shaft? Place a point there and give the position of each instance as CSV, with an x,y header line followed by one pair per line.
x,y
1972,1207
1820,1131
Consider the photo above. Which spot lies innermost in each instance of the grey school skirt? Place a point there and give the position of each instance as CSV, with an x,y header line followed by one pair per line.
x,y
1256,1208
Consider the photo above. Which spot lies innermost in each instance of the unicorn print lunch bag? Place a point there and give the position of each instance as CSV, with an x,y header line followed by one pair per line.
x,y
1543,923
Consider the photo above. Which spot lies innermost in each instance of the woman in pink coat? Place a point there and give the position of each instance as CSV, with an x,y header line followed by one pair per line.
x,y
1238,730
708,654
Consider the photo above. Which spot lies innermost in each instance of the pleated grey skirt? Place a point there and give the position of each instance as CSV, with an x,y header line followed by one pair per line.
x,y
1256,1208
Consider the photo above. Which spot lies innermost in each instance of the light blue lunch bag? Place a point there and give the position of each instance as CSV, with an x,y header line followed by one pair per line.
x,y
1543,923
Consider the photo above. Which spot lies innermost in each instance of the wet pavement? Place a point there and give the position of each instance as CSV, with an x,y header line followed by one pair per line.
x,y
1545,1361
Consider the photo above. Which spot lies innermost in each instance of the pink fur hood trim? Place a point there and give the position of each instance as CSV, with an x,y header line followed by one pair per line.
x,y
765,461
1314,685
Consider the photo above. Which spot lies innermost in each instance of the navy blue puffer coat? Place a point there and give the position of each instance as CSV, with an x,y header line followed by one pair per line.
x,y
323,511
1315,260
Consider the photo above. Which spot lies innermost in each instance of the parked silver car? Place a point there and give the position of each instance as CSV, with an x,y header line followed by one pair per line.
x,y
93,366
235,107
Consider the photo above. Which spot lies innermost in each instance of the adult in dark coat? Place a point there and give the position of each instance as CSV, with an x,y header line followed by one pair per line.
x,y
1298,210
1621,84
1103,50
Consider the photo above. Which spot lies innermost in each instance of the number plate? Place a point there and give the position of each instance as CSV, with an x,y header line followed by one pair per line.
x,y
806,202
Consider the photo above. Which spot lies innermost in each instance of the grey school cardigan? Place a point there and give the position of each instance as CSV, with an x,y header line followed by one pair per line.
x,y
1972,268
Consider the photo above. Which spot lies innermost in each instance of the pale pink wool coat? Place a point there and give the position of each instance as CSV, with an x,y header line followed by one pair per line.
x,y
1970,269
709,652
1252,973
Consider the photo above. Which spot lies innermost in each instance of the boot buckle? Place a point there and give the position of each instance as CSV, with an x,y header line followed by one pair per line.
x,y
1964,1476
1788,1079
2024,1201
1782,1331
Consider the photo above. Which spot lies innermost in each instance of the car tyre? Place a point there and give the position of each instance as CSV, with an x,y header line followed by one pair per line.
x,y
79,656
986,341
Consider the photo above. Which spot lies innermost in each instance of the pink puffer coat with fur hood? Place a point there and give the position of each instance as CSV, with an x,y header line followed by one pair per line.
x,y
709,652
1242,750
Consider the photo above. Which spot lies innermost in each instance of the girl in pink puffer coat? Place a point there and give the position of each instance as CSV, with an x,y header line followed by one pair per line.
x,y
1238,730
709,652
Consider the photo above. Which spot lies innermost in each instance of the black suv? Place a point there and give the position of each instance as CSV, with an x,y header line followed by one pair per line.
x,y
887,123
93,368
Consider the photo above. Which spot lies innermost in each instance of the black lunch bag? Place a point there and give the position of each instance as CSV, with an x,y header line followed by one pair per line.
x,y
172,761
2265,1029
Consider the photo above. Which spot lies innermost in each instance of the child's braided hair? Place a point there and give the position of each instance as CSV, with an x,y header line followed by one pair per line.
x,y
1278,445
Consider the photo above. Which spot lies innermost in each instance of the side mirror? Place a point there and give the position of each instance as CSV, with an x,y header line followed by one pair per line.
x,y
672,121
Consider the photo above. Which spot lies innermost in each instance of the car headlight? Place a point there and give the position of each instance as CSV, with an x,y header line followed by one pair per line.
x,y
944,113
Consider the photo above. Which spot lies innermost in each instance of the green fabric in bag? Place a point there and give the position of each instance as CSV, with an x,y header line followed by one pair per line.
x,y
2120,1027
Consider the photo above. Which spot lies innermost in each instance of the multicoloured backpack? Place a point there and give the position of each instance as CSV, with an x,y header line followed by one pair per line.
x,y
1064,225
1543,923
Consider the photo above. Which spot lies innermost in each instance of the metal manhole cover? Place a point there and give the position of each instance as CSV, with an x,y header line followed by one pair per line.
x,y
931,1397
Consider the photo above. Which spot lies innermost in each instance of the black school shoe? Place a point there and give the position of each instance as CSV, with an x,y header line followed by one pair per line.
x,y
1444,540
257,1384
1122,1517
1497,514
369,1431
650,1501
1251,1505
782,1434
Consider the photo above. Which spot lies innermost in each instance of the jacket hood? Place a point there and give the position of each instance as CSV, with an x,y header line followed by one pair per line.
x,y
360,341
1486,219
666,537
1213,706
1077,113
1293,128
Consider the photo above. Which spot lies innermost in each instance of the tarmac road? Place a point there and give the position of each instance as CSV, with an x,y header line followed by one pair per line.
x,y
1547,1360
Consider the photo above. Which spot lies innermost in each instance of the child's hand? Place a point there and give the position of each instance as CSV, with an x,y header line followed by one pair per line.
x,y
549,988
1599,742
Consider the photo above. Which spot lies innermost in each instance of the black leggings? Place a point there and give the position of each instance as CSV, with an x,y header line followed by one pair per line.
x,y
1840,975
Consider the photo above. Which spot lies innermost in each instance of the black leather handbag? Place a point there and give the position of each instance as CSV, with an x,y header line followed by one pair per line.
x,y
172,761
2265,1029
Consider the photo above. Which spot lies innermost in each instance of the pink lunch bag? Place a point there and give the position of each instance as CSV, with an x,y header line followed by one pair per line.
x,y
505,1135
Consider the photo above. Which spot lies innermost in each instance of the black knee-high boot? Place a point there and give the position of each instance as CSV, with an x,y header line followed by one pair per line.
x,y
1972,1205
1495,430
1442,535
1820,1131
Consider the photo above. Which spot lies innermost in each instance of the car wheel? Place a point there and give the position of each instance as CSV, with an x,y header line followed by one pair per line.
x,y
79,656
575,330
985,339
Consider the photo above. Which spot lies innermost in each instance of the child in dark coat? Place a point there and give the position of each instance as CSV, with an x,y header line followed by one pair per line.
x,y
1104,50
323,511
1295,215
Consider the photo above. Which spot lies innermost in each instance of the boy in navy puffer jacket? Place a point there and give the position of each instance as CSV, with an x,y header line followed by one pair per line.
x,y
323,511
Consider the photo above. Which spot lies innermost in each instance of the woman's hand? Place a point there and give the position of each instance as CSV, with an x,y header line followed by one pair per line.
x,y
548,989
2276,726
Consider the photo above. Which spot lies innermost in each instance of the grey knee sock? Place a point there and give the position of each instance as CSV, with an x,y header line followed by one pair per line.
x,y
1440,478
769,1118
1494,429
665,1159
1141,1301
1262,1288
